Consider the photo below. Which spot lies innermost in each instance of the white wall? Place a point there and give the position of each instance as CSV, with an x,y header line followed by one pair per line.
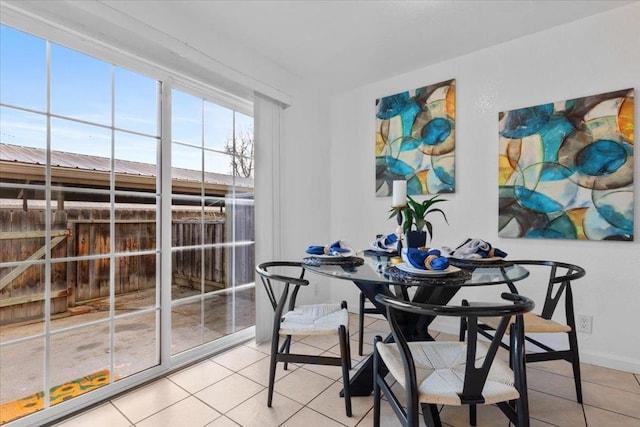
x,y
594,55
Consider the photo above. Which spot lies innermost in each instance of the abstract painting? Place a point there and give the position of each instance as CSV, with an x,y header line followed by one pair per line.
x,y
415,140
566,169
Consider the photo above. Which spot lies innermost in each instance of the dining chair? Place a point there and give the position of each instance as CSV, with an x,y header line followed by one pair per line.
x,y
364,310
290,320
456,373
559,277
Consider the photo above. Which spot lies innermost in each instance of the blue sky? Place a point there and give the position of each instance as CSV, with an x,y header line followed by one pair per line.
x,y
81,89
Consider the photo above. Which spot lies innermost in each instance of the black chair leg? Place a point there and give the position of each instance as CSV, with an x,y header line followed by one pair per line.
x,y
272,367
473,415
361,324
463,329
575,362
346,362
287,348
431,415
376,386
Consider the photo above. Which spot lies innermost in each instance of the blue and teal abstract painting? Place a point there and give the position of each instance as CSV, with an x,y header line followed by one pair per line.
x,y
415,140
566,169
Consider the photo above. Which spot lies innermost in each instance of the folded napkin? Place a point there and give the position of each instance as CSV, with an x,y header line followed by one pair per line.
x,y
430,259
339,248
475,249
387,243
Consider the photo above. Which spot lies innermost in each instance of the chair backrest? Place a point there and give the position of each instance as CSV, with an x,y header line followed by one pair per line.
x,y
561,274
269,279
475,377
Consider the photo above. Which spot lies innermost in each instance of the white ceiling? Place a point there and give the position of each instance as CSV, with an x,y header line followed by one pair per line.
x,y
348,43
337,44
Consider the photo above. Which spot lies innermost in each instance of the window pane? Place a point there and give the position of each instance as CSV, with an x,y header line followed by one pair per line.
x,y
76,354
186,275
21,374
186,118
23,70
136,103
218,163
78,138
21,128
218,126
188,159
136,159
135,226
135,282
136,344
186,326
80,86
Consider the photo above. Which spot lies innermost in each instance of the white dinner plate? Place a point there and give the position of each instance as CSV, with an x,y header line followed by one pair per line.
x,y
342,255
433,273
491,259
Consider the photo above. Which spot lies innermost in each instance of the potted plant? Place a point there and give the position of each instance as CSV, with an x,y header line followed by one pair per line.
x,y
415,225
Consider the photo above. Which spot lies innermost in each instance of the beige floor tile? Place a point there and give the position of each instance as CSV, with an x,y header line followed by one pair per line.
x,y
329,371
355,357
259,371
314,384
488,416
323,342
239,358
309,418
229,392
188,412
223,422
557,385
555,410
103,416
299,347
537,423
388,418
592,373
611,399
197,377
264,347
255,413
379,325
599,417
331,404
146,401
604,397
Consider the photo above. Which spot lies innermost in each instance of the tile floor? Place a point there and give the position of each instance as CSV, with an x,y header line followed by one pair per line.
x,y
230,390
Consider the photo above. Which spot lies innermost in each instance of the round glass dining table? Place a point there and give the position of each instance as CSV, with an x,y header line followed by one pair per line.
x,y
373,274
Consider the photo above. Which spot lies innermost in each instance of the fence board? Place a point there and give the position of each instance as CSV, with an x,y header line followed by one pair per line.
x,y
83,280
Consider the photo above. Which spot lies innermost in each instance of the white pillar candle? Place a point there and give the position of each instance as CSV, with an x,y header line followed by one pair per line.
x,y
399,194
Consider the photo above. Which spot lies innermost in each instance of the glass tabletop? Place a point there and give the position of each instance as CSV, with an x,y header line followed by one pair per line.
x,y
376,269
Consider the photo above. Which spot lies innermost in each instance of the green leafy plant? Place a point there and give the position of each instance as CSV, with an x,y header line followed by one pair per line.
x,y
415,214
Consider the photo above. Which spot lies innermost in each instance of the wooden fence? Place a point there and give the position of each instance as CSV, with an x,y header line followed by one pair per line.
x,y
86,232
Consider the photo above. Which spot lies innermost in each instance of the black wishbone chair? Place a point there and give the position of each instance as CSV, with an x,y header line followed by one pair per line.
x,y
560,275
457,373
291,320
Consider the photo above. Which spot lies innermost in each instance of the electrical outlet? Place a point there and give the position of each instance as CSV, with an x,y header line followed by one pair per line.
x,y
584,323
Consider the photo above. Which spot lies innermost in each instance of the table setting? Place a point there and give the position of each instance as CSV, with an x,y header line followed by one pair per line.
x,y
337,253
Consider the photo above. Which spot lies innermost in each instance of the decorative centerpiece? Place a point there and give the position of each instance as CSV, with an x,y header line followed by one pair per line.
x,y
412,215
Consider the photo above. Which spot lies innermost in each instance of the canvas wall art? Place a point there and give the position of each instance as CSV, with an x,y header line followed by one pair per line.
x,y
415,140
566,169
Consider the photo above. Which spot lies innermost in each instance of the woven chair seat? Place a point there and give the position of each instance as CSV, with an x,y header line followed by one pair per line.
x,y
440,368
532,324
316,319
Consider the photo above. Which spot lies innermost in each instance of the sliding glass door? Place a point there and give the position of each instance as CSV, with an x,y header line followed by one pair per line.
x,y
81,228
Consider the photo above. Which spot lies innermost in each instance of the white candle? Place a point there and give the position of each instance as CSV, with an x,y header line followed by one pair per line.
x,y
399,194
